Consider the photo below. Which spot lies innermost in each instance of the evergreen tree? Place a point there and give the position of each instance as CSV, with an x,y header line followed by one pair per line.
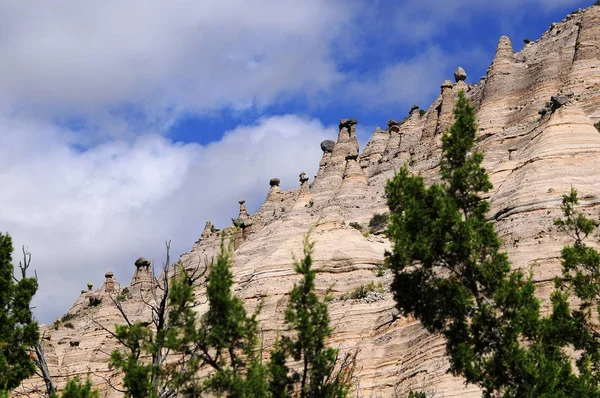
x,y
75,389
159,358
580,279
229,337
450,274
18,333
308,317
226,339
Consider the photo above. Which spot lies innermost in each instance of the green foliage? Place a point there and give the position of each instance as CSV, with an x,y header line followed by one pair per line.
x,y
124,294
422,112
146,348
451,275
355,225
136,380
74,389
597,124
581,278
226,339
379,222
231,336
308,317
67,317
363,291
18,333
417,394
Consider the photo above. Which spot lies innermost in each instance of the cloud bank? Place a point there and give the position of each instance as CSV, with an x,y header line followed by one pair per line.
x,y
90,90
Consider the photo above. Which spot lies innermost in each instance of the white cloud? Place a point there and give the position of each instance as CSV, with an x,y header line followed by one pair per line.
x,y
84,213
195,56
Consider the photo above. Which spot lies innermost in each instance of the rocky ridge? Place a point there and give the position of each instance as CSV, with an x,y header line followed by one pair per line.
x,y
536,111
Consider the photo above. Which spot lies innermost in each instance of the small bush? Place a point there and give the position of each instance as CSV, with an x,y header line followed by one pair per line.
x,y
379,222
328,294
363,290
355,225
56,325
423,111
67,317
75,388
597,124
124,295
69,325
94,302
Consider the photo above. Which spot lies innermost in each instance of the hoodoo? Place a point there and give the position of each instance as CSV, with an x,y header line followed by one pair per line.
x,y
532,158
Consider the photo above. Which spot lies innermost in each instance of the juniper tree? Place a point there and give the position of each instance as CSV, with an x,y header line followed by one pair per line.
x,y
18,331
225,339
158,358
321,373
228,336
76,389
450,274
580,279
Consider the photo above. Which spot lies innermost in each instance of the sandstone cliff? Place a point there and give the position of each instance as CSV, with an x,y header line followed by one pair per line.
x,y
536,111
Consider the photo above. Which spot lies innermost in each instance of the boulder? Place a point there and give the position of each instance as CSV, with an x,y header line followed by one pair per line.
x,y
558,101
303,178
348,123
274,182
327,146
447,84
142,262
460,75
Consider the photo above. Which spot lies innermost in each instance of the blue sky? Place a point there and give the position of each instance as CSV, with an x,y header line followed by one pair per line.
x,y
124,124
468,40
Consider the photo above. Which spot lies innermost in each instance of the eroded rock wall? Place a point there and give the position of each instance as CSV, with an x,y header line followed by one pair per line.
x,y
535,149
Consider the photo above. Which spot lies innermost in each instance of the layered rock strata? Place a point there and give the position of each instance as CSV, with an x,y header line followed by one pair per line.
x,y
532,156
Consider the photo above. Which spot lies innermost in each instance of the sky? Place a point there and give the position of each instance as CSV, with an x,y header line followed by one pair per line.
x,y
126,124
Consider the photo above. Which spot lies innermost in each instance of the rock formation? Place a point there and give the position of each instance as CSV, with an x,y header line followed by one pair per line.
x,y
532,159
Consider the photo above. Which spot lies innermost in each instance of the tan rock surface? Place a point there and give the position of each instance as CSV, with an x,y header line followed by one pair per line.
x,y
532,159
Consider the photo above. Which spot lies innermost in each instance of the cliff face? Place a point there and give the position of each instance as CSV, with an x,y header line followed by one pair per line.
x,y
536,111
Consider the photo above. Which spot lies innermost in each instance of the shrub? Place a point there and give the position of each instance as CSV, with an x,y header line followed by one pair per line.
x,y
363,291
355,225
379,222
67,317
423,111
124,295
597,124
95,301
